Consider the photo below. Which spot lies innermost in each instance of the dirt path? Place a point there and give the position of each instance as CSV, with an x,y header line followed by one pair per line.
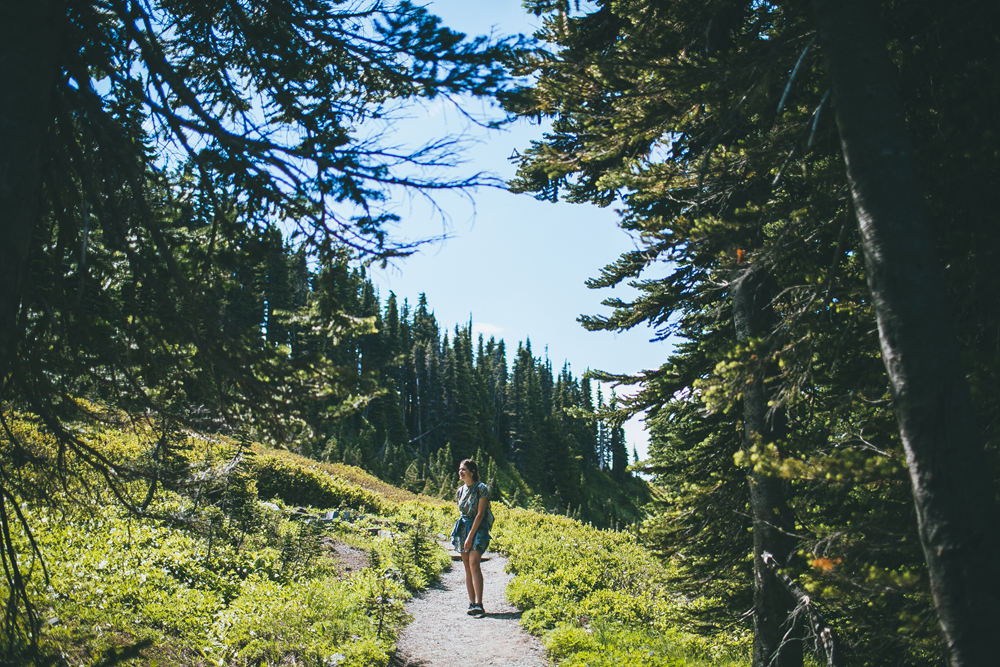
x,y
443,635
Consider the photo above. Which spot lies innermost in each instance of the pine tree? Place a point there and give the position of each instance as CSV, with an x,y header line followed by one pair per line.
x,y
300,285
713,125
492,369
616,444
462,414
411,478
277,286
526,405
587,433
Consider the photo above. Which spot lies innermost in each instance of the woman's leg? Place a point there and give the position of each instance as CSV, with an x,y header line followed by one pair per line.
x,y
469,586
474,574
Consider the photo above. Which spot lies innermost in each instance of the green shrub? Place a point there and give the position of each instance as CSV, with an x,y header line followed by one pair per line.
x,y
414,554
221,578
614,646
567,639
596,597
296,483
313,621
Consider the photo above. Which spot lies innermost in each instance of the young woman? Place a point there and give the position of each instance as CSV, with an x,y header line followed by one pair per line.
x,y
471,535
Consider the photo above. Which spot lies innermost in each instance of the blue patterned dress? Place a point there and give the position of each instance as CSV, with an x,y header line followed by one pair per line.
x,y
468,498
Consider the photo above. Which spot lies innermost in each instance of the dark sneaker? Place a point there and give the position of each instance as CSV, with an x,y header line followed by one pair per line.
x,y
480,612
474,609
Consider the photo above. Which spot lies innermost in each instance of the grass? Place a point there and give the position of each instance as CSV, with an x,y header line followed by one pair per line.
x,y
597,598
226,576
237,571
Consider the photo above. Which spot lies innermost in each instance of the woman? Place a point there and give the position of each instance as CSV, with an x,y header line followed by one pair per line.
x,y
471,535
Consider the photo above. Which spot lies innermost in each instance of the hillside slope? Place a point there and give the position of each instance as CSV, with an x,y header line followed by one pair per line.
x,y
245,555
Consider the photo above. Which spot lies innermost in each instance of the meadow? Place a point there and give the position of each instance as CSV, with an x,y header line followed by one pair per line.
x,y
256,556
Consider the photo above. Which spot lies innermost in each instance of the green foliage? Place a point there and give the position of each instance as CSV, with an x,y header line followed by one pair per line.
x,y
185,589
599,598
601,645
313,621
711,127
412,553
277,476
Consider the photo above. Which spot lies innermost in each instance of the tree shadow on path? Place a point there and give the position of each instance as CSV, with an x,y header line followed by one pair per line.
x,y
510,615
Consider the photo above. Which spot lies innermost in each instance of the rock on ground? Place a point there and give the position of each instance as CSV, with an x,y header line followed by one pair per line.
x,y
443,635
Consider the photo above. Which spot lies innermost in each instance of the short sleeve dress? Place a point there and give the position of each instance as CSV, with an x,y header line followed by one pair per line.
x,y
468,498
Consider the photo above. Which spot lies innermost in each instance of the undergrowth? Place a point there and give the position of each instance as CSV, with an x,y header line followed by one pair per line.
x,y
597,598
240,560
240,565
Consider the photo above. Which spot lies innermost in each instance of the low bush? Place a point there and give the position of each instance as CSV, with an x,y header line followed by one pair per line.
x,y
597,597
298,483
221,578
118,582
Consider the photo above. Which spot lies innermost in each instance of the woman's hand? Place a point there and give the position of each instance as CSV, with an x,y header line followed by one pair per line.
x,y
468,542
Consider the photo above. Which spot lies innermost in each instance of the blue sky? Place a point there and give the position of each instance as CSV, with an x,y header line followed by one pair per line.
x,y
515,265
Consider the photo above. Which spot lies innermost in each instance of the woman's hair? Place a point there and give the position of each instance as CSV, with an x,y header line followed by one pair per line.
x,y
471,466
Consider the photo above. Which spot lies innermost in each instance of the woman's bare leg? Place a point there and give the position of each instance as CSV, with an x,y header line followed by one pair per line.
x,y
476,588
469,585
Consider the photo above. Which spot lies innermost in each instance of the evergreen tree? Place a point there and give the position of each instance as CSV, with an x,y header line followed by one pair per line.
x,y
616,443
953,493
411,478
492,369
463,417
565,460
602,437
277,286
587,430
299,280
713,125
526,405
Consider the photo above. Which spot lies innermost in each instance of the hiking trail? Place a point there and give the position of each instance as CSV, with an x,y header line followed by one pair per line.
x,y
443,635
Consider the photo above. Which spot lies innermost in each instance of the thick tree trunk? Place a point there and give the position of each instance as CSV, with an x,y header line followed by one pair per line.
x,y
952,491
777,638
27,78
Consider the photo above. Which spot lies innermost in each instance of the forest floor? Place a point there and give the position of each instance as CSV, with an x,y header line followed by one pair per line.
x,y
443,635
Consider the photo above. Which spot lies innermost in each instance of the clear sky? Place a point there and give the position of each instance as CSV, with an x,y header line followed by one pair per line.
x,y
514,265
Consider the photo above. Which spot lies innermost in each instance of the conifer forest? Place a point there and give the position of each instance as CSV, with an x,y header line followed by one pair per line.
x,y
208,407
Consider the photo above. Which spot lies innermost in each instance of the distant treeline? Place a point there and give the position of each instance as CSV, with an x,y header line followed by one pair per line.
x,y
439,395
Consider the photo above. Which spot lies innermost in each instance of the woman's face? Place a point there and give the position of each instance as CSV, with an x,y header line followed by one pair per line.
x,y
464,474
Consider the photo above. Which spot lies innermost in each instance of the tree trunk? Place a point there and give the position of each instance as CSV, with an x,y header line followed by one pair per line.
x,y
777,637
821,630
952,491
28,74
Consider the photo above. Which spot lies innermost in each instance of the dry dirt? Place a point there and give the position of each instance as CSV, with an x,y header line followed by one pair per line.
x,y
443,635
349,559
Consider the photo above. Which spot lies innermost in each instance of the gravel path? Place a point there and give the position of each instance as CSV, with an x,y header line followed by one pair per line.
x,y
443,635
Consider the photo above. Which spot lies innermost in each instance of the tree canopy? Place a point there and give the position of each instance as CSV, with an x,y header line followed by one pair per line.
x,y
718,128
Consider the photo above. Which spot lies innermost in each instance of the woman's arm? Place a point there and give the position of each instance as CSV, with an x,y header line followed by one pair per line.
x,y
484,504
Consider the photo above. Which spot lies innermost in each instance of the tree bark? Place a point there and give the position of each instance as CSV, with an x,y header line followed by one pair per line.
x,y
777,637
953,494
28,73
